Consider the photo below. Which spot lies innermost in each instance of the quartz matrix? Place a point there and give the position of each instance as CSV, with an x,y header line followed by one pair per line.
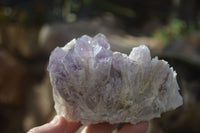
x,y
92,84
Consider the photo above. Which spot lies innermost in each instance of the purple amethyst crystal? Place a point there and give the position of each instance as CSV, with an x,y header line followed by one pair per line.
x,y
92,84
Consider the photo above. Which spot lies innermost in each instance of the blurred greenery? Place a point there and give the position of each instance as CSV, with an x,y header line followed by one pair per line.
x,y
167,33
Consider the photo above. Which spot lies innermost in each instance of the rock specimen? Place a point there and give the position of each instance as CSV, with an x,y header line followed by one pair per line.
x,y
92,84
14,80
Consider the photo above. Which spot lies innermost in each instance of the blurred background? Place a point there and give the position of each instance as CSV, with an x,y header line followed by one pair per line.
x,y
31,29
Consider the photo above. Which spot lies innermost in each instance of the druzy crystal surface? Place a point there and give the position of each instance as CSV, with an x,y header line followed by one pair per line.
x,y
92,84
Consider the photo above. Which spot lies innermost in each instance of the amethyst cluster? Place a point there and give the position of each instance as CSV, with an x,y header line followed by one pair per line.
x,y
92,84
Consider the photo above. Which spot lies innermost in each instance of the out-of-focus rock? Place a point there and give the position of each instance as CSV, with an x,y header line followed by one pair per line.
x,y
13,80
193,39
183,51
124,43
40,110
58,34
20,40
52,35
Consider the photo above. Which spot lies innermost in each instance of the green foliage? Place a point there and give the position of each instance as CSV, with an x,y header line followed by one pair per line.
x,y
170,32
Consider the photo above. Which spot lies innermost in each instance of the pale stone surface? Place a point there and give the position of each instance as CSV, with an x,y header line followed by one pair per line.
x,y
92,84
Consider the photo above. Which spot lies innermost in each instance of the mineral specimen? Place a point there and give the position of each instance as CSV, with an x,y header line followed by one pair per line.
x,y
92,84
